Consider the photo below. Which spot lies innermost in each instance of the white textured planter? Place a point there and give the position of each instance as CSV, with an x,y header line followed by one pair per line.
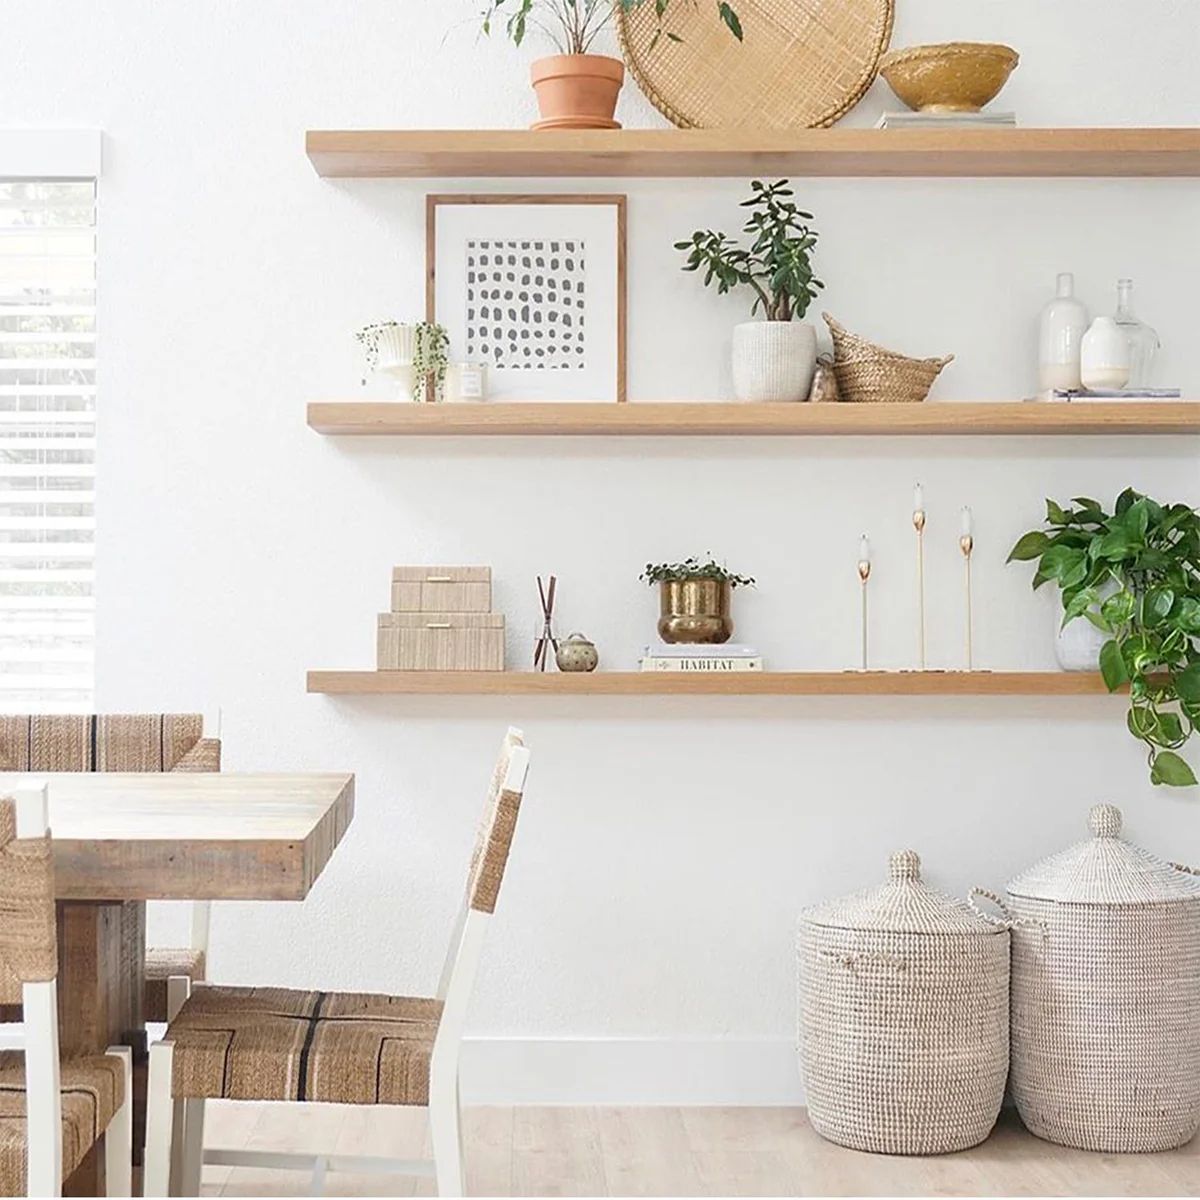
x,y
773,360
1077,647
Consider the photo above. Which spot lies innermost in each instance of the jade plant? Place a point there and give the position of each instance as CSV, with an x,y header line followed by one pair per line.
x,y
777,265
1135,575
693,568
573,25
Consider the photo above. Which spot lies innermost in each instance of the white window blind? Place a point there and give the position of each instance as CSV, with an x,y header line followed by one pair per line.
x,y
47,443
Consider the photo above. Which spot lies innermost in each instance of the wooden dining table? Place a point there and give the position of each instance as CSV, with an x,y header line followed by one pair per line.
x,y
120,840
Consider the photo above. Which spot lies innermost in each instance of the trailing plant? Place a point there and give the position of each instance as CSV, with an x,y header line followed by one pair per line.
x,y
573,25
1135,575
777,266
693,568
431,344
368,338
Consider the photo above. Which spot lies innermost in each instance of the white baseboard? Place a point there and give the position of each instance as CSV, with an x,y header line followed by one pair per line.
x,y
631,1071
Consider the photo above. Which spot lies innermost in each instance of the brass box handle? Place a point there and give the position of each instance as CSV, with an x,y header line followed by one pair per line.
x,y
438,579
438,625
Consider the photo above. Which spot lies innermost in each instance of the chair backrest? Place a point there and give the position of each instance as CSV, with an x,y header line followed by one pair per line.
x,y
28,970
137,742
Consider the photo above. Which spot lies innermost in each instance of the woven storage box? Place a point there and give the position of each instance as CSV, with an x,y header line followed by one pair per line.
x,y
1106,995
442,589
440,642
903,1017
869,374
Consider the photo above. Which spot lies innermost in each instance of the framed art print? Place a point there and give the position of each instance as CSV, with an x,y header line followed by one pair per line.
x,y
534,287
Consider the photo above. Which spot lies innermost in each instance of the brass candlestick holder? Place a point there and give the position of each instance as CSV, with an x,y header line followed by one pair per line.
x,y
966,543
864,574
918,520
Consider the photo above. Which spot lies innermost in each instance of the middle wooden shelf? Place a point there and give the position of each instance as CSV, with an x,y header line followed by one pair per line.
x,y
708,683
644,418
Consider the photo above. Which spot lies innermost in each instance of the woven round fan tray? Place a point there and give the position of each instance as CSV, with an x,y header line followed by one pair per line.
x,y
802,63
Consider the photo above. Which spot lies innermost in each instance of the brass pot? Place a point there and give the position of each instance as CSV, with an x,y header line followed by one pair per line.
x,y
694,610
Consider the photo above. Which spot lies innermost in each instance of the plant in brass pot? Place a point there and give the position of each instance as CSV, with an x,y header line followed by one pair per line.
x,y
694,599
1132,577
772,359
575,88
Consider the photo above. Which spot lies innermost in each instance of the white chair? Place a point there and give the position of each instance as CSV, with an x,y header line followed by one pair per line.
x,y
51,1112
344,1048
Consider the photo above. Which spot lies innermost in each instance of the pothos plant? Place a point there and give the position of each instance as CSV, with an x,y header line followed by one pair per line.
x,y
573,25
693,568
776,266
1135,575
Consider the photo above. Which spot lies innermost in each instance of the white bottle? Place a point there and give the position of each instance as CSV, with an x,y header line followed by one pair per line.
x,y
1105,358
1063,323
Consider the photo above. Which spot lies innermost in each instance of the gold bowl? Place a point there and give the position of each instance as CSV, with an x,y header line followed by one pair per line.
x,y
954,77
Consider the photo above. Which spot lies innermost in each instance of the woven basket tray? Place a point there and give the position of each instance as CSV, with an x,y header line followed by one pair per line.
x,y
803,63
869,374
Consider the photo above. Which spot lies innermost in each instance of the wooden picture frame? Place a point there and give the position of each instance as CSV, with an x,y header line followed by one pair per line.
x,y
435,202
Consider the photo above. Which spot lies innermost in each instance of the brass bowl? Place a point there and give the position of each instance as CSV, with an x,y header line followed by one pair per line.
x,y
694,611
954,77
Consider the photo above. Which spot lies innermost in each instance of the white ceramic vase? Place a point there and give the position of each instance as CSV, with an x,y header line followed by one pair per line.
x,y
773,360
1061,328
1105,358
1077,644
395,347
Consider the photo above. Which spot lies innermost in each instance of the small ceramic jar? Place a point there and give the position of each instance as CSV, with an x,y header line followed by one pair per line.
x,y
576,653
1104,356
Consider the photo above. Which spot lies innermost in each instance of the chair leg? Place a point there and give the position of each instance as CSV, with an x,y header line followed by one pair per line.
x,y
179,988
445,1131
118,1137
160,1120
193,1147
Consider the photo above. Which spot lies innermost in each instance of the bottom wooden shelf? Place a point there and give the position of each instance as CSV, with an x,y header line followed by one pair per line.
x,y
742,683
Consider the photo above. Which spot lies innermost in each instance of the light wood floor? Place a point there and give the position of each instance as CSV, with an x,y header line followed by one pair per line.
x,y
671,1152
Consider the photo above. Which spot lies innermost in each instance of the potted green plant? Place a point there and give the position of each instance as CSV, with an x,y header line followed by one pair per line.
x,y
1134,577
575,88
773,359
694,599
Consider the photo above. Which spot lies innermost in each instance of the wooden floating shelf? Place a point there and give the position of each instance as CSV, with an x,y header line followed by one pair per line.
x,y
739,683
512,153
722,419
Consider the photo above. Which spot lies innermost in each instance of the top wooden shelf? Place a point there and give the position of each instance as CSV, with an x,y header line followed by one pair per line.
x,y
514,153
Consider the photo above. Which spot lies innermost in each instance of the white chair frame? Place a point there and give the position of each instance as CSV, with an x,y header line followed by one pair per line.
x,y
170,1123
37,1035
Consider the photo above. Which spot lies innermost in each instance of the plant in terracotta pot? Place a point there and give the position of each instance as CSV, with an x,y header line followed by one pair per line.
x,y
575,88
694,599
1133,578
773,359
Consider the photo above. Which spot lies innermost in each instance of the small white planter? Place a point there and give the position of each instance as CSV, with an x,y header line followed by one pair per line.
x,y
1077,647
773,360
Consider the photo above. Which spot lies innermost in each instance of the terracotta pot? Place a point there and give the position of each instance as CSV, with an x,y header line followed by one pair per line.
x,y
577,91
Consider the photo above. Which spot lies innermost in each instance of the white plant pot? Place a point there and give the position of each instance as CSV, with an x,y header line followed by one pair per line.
x,y
395,346
773,360
1077,646
404,375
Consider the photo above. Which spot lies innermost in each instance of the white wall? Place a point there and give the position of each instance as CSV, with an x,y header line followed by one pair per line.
x,y
667,844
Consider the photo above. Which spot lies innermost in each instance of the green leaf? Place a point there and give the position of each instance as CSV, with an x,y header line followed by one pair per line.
x,y
1170,769
1055,514
1115,544
1158,604
1125,501
1112,666
1187,684
1187,614
731,19
1079,604
1118,608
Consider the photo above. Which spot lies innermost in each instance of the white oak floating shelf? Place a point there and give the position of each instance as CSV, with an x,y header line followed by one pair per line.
x,y
513,153
734,683
721,419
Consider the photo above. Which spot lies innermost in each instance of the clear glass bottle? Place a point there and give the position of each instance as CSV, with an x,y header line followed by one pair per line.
x,y
1143,341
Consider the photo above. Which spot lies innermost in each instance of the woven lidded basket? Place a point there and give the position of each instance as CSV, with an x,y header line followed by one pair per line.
x,y
1106,995
903,1017
869,374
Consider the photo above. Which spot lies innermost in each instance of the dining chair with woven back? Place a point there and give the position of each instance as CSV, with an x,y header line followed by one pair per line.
x,y
137,742
51,1111
275,1044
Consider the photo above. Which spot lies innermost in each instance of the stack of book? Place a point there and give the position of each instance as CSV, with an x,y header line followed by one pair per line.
x,y
920,120
732,656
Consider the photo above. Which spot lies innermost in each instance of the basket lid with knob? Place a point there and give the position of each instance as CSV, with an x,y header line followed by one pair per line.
x,y
904,904
1106,869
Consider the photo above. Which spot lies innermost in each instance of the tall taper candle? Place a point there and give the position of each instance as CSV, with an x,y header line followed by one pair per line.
x,y
864,573
966,543
918,520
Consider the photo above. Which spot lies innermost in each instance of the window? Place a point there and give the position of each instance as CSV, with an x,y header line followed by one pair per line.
x,y
47,443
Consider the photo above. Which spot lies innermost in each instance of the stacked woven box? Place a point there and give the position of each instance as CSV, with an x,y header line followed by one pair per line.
x,y
441,619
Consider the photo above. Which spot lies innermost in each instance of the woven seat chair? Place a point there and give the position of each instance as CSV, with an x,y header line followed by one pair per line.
x,y
51,1112
344,1048
134,743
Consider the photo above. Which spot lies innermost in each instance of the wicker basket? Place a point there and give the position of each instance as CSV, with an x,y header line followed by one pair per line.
x,y
1106,995
903,1017
869,374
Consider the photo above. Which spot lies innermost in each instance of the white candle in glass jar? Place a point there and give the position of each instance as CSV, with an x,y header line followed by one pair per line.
x,y
466,382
